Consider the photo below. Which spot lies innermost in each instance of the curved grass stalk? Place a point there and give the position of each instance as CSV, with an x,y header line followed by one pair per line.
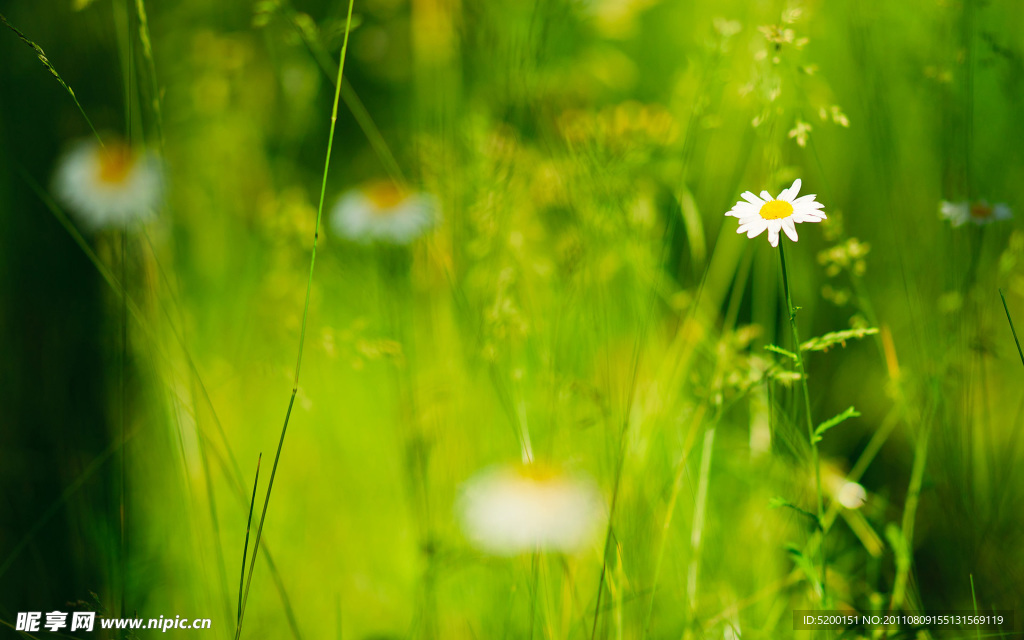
x,y
904,556
677,487
670,509
699,517
610,531
147,55
49,67
351,100
305,318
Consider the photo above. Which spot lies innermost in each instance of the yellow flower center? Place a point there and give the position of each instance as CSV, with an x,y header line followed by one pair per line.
x,y
539,472
384,195
980,211
115,162
775,209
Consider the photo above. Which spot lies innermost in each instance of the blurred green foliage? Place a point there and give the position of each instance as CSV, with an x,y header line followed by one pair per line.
x,y
582,287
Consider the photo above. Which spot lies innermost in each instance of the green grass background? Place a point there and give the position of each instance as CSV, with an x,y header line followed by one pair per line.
x,y
582,285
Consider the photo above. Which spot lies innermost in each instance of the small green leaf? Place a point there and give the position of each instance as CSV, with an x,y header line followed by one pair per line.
x,y
829,340
779,503
896,540
785,377
805,565
831,422
779,350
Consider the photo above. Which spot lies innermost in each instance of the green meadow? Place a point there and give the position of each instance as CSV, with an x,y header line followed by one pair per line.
x,y
334,262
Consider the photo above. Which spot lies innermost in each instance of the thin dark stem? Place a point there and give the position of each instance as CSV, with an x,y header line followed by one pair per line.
x,y
1012,330
49,67
807,411
124,337
263,516
245,549
124,426
974,597
631,395
615,497
608,538
533,592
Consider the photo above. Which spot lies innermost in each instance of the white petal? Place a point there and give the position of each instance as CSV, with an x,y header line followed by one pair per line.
x,y
1002,212
767,196
507,512
755,229
98,204
810,216
752,199
808,210
358,218
773,231
757,223
790,228
956,212
742,208
807,217
790,193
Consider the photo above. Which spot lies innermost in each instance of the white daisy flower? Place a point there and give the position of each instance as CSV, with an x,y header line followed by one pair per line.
x,y
979,212
776,214
111,185
851,495
380,211
507,510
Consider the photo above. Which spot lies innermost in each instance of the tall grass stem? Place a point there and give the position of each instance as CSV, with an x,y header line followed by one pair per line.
x,y
248,525
305,318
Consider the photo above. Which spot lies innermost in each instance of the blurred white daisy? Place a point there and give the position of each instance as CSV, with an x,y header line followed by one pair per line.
x,y
381,211
509,510
109,185
776,214
851,495
980,212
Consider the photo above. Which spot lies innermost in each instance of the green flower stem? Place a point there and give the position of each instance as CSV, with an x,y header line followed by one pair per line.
x,y
807,411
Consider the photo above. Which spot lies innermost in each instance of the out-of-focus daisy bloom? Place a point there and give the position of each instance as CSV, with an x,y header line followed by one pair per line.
x,y
109,185
847,493
776,214
510,510
851,495
381,211
980,212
